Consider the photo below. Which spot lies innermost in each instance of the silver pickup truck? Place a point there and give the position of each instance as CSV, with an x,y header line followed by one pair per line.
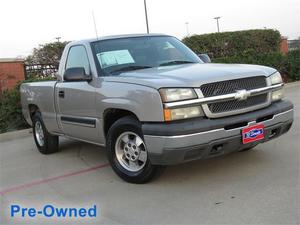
x,y
153,102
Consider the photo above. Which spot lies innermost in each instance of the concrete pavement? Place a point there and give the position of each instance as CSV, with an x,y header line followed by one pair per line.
x,y
255,187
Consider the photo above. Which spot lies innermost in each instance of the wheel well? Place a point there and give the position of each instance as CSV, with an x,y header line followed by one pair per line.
x,y
32,110
112,115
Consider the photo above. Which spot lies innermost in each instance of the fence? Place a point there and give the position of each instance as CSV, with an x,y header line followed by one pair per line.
x,y
40,70
294,44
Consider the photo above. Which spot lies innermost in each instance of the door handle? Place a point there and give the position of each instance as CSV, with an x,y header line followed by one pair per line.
x,y
61,94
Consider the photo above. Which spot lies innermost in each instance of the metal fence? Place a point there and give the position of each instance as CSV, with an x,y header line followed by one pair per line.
x,y
294,44
40,70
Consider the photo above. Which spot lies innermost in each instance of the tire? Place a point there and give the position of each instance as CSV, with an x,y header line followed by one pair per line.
x,y
45,142
132,165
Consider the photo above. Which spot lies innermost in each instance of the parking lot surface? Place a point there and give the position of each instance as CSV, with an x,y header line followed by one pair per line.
x,y
260,186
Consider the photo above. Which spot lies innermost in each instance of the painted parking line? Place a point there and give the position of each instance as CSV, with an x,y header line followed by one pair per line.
x,y
47,180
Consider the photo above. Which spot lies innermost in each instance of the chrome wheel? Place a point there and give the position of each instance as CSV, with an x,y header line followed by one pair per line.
x,y
39,133
131,151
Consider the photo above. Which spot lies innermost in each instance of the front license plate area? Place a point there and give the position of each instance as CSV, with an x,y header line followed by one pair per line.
x,y
253,133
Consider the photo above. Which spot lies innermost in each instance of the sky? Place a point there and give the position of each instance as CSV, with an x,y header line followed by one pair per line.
x,y
27,23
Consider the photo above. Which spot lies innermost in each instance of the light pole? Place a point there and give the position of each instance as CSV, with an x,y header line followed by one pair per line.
x,y
58,38
187,29
217,18
146,15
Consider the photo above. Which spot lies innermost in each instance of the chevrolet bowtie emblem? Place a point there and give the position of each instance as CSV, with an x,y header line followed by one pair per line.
x,y
242,95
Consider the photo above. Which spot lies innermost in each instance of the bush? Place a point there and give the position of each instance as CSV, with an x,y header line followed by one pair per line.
x,y
10,111
260,47
229,44
293,64
11,117
288,65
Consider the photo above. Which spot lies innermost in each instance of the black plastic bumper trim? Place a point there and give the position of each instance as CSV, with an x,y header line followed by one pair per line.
x,y
77,120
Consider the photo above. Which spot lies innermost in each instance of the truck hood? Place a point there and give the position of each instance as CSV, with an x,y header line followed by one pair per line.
x,y
190,75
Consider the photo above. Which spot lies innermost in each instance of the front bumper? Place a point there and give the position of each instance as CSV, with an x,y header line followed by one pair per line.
x,y
182,141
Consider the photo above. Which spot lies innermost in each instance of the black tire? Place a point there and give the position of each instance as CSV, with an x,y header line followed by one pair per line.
x,y
145,174
50,142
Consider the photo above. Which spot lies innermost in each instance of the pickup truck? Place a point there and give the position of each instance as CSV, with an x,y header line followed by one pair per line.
x,y
151,101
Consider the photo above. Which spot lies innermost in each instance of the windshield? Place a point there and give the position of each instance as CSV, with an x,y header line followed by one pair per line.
x,y
126,54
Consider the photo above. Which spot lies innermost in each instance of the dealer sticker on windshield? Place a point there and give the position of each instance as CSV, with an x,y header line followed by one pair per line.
x,y
114,58
253,133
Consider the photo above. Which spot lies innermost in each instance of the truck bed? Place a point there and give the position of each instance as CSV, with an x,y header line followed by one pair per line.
x,y
40,94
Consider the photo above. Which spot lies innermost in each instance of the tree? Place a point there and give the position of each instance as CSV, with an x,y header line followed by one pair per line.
x,y
49,53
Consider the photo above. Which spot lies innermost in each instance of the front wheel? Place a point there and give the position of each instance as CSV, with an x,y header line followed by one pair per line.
x,y
127,152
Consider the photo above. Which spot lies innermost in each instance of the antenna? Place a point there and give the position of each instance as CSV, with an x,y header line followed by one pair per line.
x,y
95,26
146,15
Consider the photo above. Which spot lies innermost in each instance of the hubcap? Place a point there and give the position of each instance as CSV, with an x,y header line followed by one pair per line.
x,y
131,151
39,134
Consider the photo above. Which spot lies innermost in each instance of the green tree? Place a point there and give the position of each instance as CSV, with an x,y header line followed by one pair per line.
x,y
49,53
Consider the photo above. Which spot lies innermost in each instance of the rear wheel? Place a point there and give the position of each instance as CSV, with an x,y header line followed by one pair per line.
x,y
45,142
127,152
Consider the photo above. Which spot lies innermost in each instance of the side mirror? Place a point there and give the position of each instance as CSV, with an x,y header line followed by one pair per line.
x,y
205,58
76,74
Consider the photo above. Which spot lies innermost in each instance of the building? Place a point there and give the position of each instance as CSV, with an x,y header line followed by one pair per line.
x,y
284,45
11,73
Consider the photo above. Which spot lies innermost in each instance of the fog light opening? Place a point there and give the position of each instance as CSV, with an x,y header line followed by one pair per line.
x,y
274,133
216,149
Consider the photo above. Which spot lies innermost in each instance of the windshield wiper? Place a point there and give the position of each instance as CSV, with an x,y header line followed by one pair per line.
x,y
175,62
130,68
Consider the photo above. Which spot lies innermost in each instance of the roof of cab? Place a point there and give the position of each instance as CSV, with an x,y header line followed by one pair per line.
x,y
114,37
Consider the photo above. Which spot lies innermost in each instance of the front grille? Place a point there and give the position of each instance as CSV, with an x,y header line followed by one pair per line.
x,y
236,105
231,86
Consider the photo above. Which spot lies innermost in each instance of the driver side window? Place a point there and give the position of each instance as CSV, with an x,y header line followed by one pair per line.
x,y
77,57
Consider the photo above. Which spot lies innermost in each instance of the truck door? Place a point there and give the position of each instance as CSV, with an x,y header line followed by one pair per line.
x,y
75,100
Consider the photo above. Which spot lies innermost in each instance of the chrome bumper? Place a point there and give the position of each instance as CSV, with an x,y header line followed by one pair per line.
x,y
180,148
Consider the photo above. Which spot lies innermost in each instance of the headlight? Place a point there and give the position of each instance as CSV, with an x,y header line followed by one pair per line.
x,y
276,78
177,94
182,113
277,95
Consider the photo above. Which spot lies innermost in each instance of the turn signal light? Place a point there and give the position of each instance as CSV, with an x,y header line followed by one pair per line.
x,y
167,115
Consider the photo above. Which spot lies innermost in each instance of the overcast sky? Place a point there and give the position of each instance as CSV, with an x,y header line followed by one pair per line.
x,y
26,23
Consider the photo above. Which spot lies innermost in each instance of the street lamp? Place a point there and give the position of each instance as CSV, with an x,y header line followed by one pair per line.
x,y
187,29
146,15
217,18
58,38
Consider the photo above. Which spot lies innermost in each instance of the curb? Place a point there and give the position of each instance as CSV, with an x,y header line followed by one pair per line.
x,y
15,135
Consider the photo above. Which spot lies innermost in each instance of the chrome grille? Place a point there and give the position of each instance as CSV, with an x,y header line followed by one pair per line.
x,y
231,86
236,105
